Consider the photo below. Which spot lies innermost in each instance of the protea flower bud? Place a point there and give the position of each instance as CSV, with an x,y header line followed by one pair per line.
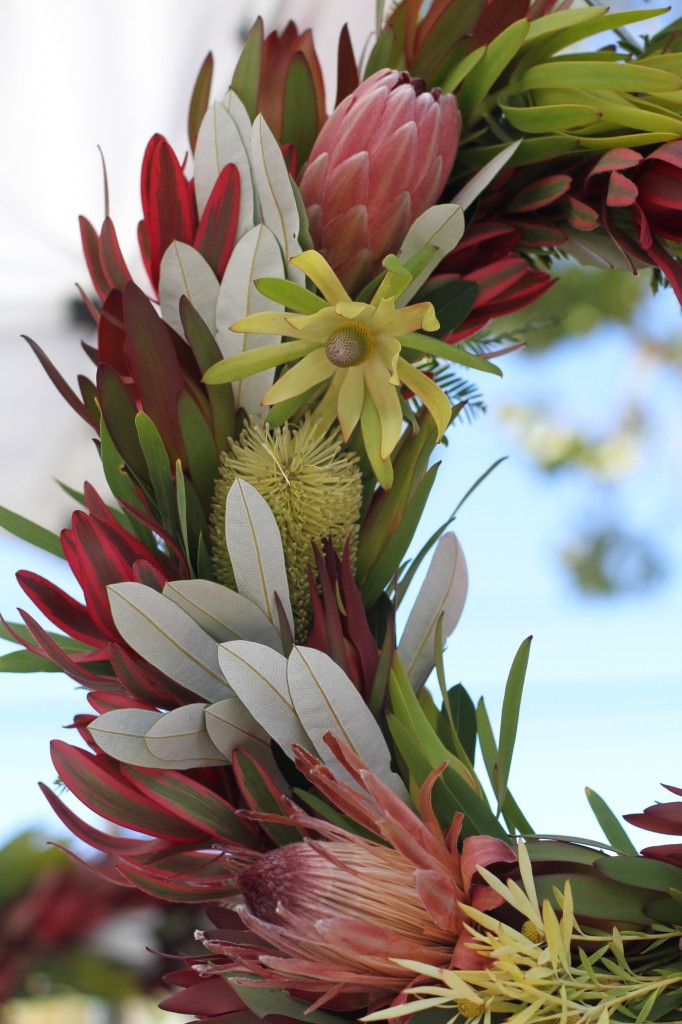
x,y
382,158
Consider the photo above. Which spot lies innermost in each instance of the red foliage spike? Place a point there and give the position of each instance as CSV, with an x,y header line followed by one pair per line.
x,y
98,783
154,367
111,257
167,203
218,226
64,611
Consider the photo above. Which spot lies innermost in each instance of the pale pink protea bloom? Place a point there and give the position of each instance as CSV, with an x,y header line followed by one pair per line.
x,y
383,157
336,910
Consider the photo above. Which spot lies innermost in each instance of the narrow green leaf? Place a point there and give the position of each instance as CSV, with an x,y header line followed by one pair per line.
x,y
396,547
513,816
452,353
460,71
488,69
202,457
200,97
300,114
159,467
181,504
458,717
121,486
641,872
380,52
246,77
510,717
265,1002
66,643
556,117
594,74
291,295
26,661
31,532
610,824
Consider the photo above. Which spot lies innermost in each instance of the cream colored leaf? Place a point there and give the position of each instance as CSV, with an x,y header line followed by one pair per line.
x,y
441,226
487,174
258,676
256,255
222,613
279,211
326,700
121,735
184,271
167,638
442,594
230,725
220,143
255,549
181,735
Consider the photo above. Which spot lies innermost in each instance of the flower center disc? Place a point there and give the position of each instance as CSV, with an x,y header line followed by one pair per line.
x,y
349,345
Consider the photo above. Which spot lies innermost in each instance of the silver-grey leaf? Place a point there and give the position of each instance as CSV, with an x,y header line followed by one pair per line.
x,y
181,735
255,548
326,700
222,613
258,676
167,638
219,143
442,593
442,226
231,725
279,211
184,271
255,255
121,735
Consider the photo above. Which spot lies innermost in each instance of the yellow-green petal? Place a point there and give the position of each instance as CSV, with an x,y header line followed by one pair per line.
x,y
315,266
419,316
435,400
312,369
266,323
371,435
351,399
385,398
318,326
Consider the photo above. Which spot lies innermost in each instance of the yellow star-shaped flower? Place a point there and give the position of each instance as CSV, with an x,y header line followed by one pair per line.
x,y
354,347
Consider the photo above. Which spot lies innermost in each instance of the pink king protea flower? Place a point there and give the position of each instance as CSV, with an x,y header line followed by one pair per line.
x,y
334,911
382,158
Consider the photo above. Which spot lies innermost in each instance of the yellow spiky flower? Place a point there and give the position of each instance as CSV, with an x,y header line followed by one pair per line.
x,y
313,488
550,971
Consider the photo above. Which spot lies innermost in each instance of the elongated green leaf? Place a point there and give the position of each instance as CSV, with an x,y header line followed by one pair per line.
x,y
159,467
460,71
452,353
291,295
393,552
181,735
440,599
255,548
510,717
219,143
483,76
246,77
258,676
326,700
168,638
202,457
255,361
279,210
184,271
555,117
642,872
256,255
610,824
121,486
513,816
300,115
594,74
26,661
34,534
121,734
264,1002
222,613
230,726
596,899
